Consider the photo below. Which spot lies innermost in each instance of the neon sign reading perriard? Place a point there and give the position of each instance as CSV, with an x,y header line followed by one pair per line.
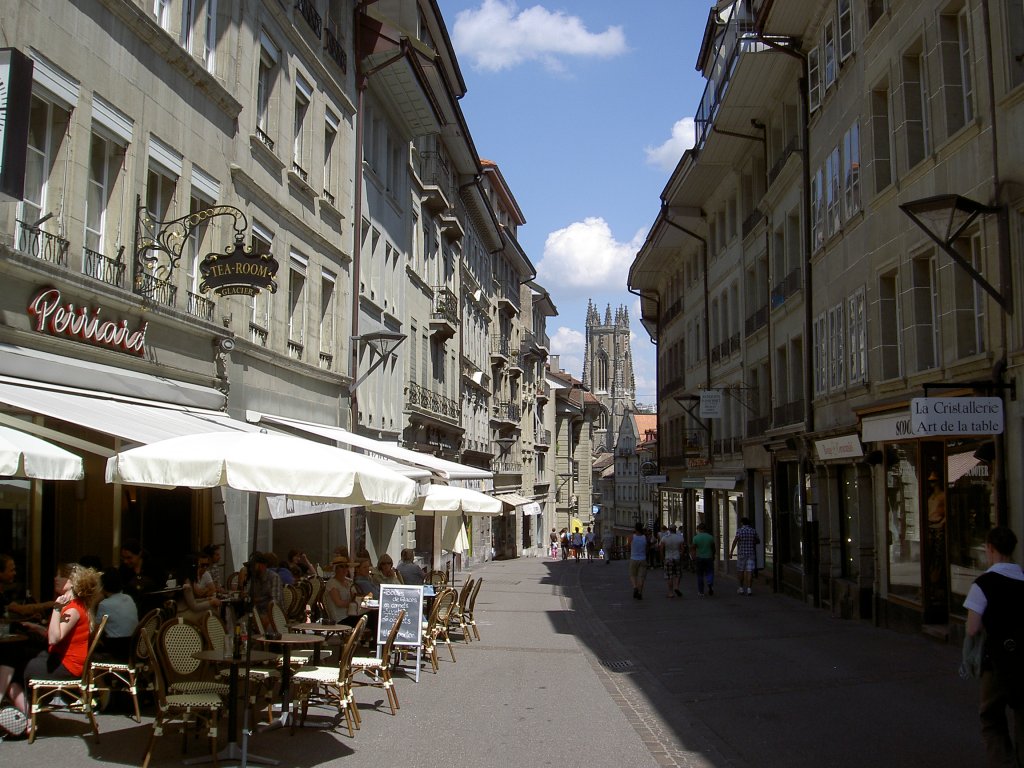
x,y
53,315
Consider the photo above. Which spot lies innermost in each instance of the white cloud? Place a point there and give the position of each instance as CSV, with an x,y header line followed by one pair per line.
x,y
498,36
667,155
585,255
569,345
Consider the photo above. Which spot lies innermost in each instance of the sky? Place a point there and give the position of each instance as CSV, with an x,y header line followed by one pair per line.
x,y
586,106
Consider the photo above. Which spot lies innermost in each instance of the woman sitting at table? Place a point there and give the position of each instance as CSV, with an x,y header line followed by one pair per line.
x,y
339,594
67,633
365,587
189,606
385,572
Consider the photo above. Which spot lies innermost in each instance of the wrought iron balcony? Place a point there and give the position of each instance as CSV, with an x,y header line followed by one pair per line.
x,y
444,318
33,241
309,13
437,181
200,306
756,321
263,137
103,268
500,346
505,411
543,438
156,290
422,399
785,288
780,163
335,50
790,413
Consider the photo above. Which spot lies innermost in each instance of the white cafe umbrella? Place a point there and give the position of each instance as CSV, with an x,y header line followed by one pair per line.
x,y
441,500
24,455
264,463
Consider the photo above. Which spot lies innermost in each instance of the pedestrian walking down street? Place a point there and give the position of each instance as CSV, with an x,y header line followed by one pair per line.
x,y
671,545
703,549
564,536
588,543
553,537
577,544
638,561
607,542
746,561
995,604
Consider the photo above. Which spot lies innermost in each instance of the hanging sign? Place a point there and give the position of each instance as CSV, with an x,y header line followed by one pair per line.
x,y
240,271
942,416
711,403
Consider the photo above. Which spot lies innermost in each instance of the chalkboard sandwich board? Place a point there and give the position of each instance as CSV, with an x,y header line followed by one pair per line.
x,y
394,598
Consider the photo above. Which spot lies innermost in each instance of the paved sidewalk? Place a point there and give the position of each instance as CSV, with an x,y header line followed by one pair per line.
x,y
571,671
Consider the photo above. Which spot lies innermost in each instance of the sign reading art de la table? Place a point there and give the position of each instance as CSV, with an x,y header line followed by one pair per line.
x,y
239,271
57,317
940,416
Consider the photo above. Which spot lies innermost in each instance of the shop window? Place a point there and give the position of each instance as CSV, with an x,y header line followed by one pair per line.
x,y
970,512
903,537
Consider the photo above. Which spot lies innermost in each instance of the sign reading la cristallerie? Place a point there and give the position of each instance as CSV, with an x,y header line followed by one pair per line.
x,y
51,314
239,271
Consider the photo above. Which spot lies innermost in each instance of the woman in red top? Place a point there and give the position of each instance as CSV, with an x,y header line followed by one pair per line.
x,y
68,630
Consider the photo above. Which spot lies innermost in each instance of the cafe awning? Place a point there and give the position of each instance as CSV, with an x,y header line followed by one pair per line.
x,y
513,499
130,419
444,469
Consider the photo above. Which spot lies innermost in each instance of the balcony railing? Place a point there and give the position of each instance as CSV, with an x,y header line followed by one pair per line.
x,y
200,306
732,43
326,361
790,413
435,173
258,335
785,288
433,403
156,290
328,197
309,13
751,221
500,346
543,438
263,137
504,410
33,241
446,305
757,320
295,349
299,171
335,50
776,169
673,309
506,467
103,268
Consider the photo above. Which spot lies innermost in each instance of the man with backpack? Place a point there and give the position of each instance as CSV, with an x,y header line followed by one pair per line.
x,y
995,603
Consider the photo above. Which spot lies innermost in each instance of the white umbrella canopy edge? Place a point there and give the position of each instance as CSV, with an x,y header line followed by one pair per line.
x,y
262,463
25,455
443,500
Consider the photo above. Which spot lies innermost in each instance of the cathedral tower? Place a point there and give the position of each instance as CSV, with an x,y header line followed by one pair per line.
x,y
608,370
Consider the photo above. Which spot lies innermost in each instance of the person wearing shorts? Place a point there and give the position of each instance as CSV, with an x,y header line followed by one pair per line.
x,y
671,546
743,544
638,561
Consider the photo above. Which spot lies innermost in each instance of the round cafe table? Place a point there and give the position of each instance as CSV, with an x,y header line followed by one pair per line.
x,y
327,631
287,641
231,750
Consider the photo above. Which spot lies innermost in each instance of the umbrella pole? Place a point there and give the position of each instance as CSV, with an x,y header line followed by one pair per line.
x,y
251,585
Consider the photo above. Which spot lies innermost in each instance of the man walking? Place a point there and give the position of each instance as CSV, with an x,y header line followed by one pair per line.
x,y
671,545
995,603
638,560
745,541
703,548
588,543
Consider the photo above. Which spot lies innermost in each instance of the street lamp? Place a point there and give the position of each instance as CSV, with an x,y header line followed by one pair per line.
x,y
944,218
382,344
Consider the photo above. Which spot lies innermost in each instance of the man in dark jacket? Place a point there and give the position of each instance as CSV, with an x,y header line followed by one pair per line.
x,y
995,603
